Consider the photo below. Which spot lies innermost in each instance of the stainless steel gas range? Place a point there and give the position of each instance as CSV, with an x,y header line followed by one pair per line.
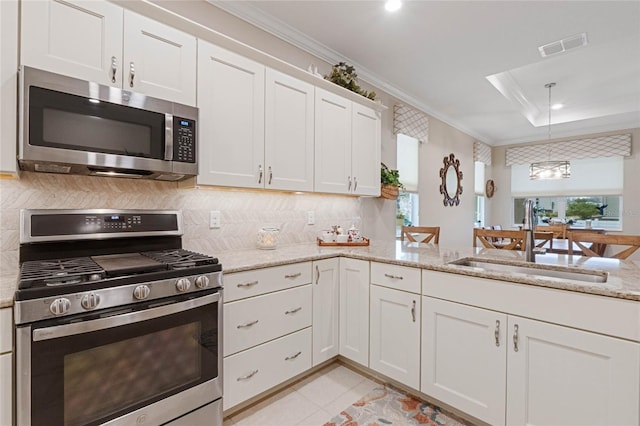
x,y
115,322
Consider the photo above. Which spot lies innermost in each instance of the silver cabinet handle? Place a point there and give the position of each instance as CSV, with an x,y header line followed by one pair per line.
x,y
260,173
247,376
396,277
317,274
249,284
114,68
293,275
132,73
248,324
515,338
349,187
496,333
270,175
413,311
293,311
293,356
355,183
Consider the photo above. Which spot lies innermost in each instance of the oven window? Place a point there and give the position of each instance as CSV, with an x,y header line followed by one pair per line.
x,y
97,376
101,380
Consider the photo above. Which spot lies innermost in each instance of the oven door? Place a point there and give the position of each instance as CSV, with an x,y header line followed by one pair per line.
x,y
147,363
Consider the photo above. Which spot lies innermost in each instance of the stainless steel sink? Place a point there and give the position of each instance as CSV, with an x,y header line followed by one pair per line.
x,y
587,275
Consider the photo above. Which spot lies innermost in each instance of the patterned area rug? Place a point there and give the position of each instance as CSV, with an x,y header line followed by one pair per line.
x,y
387,406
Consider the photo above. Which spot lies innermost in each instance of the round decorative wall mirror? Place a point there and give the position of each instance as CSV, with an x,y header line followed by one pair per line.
x,y
451,176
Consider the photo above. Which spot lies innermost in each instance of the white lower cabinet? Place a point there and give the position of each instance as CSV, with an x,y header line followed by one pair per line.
x,y
256,370
563,376
489,364
354,310
464,358
326,304
256,320
6,389
395,335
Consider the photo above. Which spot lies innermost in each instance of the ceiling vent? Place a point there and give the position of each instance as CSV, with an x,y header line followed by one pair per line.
x,y
563,45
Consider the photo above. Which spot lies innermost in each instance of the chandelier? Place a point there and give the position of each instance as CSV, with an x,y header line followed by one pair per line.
x,y
549,169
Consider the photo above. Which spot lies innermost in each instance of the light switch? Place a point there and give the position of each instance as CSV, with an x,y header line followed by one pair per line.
x,y
311,217
214,219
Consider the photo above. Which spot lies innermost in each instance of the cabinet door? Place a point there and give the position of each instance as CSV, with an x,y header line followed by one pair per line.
x,y
6,390
354,310
563,376
365,150
395,335
159,60
332,143
464,358
231,102
82,39
326,304
288,132
8,85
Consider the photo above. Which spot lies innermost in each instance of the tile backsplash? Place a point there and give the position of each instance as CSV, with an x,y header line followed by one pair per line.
x,y
243,212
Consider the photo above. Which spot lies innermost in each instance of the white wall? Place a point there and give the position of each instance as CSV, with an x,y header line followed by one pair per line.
x,y
501,203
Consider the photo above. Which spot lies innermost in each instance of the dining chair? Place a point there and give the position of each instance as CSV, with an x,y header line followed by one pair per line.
x,y
593,244
499,239
543,239
559,231
429,234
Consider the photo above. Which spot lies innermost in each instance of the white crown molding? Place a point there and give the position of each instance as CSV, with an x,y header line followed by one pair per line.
x,y
253,15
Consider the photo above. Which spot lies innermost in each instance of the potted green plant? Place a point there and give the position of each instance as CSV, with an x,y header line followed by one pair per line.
x,y
390,184
345,75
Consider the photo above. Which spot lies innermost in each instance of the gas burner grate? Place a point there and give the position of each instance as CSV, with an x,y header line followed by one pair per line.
x,y
180,259
59,271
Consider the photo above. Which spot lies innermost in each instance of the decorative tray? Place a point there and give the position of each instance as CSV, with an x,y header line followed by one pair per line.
x,y
364,242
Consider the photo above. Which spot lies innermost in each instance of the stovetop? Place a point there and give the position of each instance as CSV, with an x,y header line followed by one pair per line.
x,y
81,270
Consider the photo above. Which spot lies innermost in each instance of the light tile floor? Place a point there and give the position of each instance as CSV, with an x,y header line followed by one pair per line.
x,y
309,402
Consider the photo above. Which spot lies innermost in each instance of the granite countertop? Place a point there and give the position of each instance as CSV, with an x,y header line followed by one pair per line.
x,y
623,275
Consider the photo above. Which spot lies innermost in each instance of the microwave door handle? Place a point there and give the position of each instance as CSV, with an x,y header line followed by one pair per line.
x,y
75,328
168,137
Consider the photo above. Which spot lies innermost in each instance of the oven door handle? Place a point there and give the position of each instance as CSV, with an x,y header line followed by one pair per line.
x,y
58,331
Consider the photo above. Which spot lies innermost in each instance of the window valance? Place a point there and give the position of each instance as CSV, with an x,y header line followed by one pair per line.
x,y
604,146
482,152
410,122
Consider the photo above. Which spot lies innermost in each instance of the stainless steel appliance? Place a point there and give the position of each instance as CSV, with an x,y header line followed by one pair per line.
x,y
115,322
79,127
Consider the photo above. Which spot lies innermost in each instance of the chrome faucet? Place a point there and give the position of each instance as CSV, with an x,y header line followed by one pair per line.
x,y
528,226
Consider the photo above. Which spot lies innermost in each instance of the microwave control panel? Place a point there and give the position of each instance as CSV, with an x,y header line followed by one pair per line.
x,y
184,140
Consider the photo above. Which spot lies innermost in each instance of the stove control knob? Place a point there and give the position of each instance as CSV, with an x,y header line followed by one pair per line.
x,y
141,292
90,301
183,284
60,306
202,281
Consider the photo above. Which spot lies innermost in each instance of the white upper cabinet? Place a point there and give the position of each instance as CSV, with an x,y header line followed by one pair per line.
x,y
256,127
347,146
333,143
101,42
288,147
158,60
365,150
231,102
8,86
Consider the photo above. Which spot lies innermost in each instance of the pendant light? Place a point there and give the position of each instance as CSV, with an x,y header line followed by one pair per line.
x,y
549,169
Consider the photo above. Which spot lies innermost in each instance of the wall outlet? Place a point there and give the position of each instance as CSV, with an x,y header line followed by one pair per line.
x,y
311,218
214,219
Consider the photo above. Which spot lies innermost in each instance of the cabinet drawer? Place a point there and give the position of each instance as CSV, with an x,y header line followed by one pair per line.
x,y
245,284
393,276
6,330
253,371
253,321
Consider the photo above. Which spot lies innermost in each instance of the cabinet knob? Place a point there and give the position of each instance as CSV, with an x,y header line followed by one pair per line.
x,y
496,333
260,174
114,68
132,73
515,338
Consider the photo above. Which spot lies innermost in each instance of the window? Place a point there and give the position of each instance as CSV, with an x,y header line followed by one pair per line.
x,y
407,206
604,211
478,185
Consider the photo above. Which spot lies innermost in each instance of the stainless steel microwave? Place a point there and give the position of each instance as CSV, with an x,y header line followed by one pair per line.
x,y
79,127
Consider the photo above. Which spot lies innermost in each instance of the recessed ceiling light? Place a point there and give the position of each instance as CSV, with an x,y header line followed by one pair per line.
x,y
557,106
393,5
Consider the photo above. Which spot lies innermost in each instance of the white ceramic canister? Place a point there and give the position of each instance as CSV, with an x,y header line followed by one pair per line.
x,y
268,238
